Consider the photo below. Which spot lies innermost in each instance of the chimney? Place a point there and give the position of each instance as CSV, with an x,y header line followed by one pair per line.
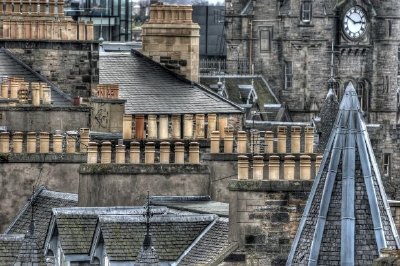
x,y
171,38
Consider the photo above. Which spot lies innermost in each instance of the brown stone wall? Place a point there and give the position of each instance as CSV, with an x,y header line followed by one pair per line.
x,y
46,119
263,218
106,115
172,39
73,66
18,178
127,184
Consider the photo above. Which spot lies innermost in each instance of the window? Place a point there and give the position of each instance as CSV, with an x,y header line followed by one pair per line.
x,y
389,28
398,60
288,74
265,40
386,84
362,94
306,11
386,164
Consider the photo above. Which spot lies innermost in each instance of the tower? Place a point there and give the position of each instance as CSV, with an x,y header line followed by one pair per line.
x,y
289,43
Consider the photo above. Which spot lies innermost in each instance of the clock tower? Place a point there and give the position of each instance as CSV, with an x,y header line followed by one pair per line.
x,y
367,49
289,43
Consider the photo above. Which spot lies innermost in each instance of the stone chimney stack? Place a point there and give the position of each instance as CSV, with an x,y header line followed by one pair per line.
x,y
171,38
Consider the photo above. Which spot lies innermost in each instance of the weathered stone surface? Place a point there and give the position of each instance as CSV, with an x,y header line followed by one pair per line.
x,y
264,216
18,178
43,118
65,63
97,183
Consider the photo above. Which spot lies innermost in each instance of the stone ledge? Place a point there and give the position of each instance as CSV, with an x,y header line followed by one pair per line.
x,y
46,108
106,100
234,156
220,157
42,157
146,169
270,186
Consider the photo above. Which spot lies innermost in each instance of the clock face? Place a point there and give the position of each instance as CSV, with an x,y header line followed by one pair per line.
x,y
355,23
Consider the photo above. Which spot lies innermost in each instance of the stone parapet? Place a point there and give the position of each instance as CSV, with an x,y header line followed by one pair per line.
x,y
24,92
19,143
178,127
16,29
145,152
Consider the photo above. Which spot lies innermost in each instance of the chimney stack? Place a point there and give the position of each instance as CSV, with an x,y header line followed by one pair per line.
x,y
171,38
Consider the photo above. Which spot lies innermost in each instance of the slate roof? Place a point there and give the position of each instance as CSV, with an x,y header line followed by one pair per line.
x,y
9,248
43,201
327,117
233,84
31,253
211,247
76,226
123,235
150,88
347,218
11,66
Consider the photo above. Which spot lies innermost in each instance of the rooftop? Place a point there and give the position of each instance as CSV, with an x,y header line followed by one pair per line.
x,y
11,66
347,218
150,88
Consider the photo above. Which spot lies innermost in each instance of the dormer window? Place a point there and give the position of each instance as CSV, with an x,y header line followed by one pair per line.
x,y
306,11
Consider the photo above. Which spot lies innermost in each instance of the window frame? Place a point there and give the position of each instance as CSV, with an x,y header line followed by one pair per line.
x,y
306,13
288,74
268,39
387,164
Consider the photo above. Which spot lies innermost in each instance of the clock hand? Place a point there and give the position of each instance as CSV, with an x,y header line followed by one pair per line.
x,y
350,19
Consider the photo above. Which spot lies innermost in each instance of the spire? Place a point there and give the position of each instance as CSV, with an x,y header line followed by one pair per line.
x,y
147,255
347,219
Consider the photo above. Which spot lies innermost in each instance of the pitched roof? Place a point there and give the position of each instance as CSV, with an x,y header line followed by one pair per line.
x,y
11,66
76,226
347,219
210,247
150,88
43,201
235,84
31,253
10,246
123,235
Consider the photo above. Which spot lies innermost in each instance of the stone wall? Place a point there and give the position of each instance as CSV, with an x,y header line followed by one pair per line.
x,y
171,38
72,65
106,114
44,118
263,219
19,173
127,184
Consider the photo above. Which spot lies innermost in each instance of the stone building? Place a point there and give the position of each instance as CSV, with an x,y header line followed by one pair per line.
x,y
52,44
289,42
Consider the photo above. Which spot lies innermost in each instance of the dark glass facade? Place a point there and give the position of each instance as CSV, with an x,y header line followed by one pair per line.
x,y
111,18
